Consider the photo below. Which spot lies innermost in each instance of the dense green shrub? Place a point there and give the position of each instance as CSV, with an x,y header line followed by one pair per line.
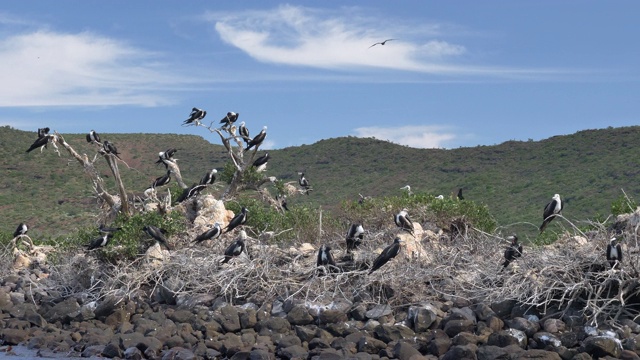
x,y
623,205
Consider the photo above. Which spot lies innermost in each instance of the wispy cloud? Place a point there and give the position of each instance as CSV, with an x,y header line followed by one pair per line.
x,y
300,36
417,136
46,68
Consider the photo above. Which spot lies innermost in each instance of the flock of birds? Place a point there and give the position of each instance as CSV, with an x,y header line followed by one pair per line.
x,y
355,233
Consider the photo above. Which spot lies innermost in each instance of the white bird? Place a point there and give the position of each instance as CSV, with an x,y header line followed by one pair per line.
x,y
403,222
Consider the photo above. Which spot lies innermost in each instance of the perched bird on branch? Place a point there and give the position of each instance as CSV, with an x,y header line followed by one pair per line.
x,y
355,235
110,148
380,43
209,178
614,253
100,242
21,230
158,235
257,140
93,137
552,209
324,256
162,180
283,201
42,132
261,163
235,249
41,142
210,234
460,197
387,254
195,116
191,191
239,219
229,119
512,252
403,221
166,155
244,132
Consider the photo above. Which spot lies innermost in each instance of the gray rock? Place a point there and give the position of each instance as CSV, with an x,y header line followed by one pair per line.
x,y
389,333
227,317
523,325
629,355
464,338
503,308
464,313
133,353
508,337
318,343
241,355
546,339
231,344
454,327
299,315
131,339
370,345
330,316
181,316
554,326
14,336
491,352
168,291
259,354
461,352
482,311
439,343
112,350
494,323
379,311
359,312
63,312
421,318
404,351
248,318
601,346
178,353
92,351
273,325
293,352
288,340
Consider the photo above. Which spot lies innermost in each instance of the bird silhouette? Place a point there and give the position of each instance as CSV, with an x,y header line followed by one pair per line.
x,y
380,43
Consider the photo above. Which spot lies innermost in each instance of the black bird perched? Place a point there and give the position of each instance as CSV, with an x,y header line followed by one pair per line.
x,y
210,234
551,210
166,155
162,180
239,219
355,235
42,132
93,137
304,183
257,140
191,191
158,235
324,256
403,221
235,249
244,132
109,148
229,119
261,163
21,230
387,254
460,197
513,251
195,116
380,43
103,229
100,242
614,253
209,178
40,142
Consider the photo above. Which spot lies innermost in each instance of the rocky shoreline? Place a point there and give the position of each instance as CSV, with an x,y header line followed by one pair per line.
x,y
211,328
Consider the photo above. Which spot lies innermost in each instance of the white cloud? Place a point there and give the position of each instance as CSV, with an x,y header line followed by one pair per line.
x,y
299,36
45,68
417,136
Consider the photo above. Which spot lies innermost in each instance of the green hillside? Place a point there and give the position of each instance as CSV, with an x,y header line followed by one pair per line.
x,y
515,179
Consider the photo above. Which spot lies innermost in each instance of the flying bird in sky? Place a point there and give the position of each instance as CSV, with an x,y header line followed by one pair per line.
x,y
380,43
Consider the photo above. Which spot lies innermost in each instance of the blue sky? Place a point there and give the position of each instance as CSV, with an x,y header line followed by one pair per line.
x,y
461,73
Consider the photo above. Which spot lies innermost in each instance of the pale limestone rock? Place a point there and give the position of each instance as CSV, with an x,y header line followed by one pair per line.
x,y
155,254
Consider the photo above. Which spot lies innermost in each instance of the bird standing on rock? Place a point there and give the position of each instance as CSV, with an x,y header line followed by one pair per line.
x,y
403,221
